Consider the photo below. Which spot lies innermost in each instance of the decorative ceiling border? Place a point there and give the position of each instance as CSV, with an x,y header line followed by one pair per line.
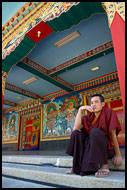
x,y
9,110
44,11
54,15
21,13
31,8
111,8
17,53
85,85
110,91
21,25
85,57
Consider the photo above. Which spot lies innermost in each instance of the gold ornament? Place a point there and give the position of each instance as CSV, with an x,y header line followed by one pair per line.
x,y
120,120
111,8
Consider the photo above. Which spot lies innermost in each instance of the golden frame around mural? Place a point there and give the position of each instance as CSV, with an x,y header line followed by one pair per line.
x,y
58,117
13,141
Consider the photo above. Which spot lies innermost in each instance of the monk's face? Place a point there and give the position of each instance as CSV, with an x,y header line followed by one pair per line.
x,y
96,104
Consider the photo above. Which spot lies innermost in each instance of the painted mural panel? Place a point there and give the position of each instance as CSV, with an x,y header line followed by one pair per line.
x,y
59,117
10,128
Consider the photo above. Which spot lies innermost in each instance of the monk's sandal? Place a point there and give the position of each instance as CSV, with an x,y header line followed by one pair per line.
x,y
69,172
103,172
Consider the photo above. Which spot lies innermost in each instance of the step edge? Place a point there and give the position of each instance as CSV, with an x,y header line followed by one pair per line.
x,y
43,176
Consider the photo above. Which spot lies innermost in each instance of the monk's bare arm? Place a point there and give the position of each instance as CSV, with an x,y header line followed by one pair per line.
x,y
117,159
115,142
78,125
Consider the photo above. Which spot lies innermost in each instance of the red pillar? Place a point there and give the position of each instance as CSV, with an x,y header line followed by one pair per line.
x,y
2,101
118,37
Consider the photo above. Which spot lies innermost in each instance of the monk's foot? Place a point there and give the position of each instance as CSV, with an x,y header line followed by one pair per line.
x,y
69,172
103,171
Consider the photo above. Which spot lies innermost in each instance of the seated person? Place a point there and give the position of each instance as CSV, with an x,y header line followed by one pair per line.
x,y
94,139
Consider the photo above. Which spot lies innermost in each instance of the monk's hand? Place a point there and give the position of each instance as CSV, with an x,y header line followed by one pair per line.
x,y
88,108
117,160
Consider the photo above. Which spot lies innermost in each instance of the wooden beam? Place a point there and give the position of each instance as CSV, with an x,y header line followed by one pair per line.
x,y
42,72
22,91
10,103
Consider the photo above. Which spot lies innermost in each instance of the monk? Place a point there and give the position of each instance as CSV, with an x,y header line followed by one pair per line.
x,y
94,139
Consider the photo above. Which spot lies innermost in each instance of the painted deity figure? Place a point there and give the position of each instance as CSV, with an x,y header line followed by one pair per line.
x,y
12,127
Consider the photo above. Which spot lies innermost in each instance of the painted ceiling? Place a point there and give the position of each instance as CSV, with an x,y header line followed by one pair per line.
x,y
88,19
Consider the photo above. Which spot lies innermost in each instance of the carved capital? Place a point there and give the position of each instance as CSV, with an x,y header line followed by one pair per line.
x,y
111,8
4,75
3,84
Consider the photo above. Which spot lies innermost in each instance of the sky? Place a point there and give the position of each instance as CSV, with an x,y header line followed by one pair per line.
x,y
9,9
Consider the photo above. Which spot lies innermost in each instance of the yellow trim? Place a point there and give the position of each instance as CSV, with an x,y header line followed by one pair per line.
x,y
109,106
121,135
52,139
9,142
118,108
41,127
19,118
29,125
85,103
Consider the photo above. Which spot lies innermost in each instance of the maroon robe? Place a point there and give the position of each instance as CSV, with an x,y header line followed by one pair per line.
x,y
91,146
106,121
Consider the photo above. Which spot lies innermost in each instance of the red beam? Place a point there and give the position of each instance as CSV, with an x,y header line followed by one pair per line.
x,y
7,102
21,91
81,57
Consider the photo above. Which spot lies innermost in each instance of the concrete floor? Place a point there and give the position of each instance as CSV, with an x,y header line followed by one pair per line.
x,y
16,183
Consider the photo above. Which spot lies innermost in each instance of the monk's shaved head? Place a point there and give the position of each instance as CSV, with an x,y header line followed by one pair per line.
x,y
100,96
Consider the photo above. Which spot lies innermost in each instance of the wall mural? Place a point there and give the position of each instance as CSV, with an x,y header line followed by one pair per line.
x,y
10,127
59,117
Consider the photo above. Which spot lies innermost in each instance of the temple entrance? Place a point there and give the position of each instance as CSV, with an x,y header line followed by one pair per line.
x,y
30,133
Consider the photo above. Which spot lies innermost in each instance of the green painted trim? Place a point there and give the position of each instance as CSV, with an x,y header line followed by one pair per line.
x,y
76,14
83,61
19,53
43,76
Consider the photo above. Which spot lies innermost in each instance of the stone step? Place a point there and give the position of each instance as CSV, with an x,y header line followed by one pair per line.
x,y
61,161
56,175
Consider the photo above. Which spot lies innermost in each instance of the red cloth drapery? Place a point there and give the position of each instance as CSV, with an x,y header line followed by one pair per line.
x,y
118,37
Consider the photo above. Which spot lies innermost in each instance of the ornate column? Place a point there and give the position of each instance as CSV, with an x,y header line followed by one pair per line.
x,y
116,17
4,75
85,103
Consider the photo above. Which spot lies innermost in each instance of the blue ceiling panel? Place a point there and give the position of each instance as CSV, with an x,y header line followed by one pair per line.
x,y
83,73
12,96
40,86
93,32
